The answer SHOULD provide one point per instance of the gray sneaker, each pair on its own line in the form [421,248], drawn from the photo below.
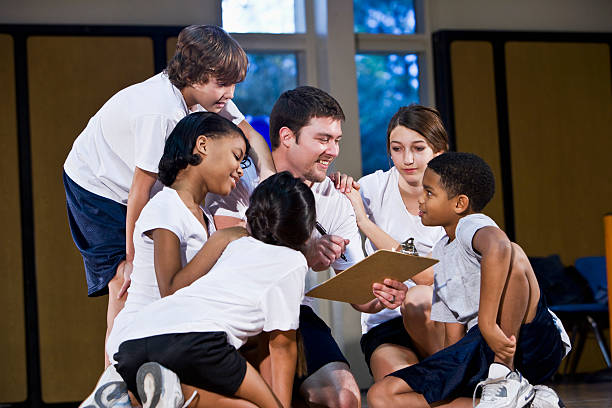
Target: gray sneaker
[110,392]
[546,397]
[511,391]
[158,387]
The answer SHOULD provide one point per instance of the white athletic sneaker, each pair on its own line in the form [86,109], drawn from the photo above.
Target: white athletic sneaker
[111,391]
[546,397]
[158,387]
[509,391]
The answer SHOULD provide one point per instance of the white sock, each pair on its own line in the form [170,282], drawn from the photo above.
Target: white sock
[497,370]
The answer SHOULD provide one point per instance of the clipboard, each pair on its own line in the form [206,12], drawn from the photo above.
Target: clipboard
[354,285]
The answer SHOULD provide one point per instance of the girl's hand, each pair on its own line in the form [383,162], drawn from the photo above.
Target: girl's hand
[127,280]
[355,199]
[232,233]
[390,293]
[343,182]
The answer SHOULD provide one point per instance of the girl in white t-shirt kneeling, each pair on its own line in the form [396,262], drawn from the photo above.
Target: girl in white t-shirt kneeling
[256,285]
[387,212]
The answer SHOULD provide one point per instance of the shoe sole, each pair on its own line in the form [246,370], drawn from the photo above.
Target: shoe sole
[148,380]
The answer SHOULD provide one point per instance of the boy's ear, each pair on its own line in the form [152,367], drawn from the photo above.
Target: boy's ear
[462,204]
[286,136]
[201,145]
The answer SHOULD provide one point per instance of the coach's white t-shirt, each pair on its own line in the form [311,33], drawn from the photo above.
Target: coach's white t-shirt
[384,205]
[334,212]
[165,210]
[239,297]
[129,130]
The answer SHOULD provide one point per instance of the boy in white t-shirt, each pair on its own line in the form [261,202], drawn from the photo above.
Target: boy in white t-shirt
[196,331]
[109,174]
[486,293]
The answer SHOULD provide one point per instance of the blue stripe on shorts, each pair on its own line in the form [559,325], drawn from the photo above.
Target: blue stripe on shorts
[97,225]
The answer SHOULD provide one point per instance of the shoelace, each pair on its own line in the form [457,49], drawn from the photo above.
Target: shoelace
[186,404]
[490,388]
[542,394]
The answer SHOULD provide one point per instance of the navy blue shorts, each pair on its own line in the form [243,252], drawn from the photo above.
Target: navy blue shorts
[201,359]
[390,332]
[97,225]
[320,348]
[455,371]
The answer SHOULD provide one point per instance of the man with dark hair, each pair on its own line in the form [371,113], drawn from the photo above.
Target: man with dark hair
[305,131]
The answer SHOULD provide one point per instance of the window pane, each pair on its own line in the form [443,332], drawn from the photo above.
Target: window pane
[268,76]
[384,16]
[384,84]
[258,16]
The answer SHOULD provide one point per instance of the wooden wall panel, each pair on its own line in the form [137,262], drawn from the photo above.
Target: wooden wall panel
[475,111]
[170,47]
[13,383]
[69,80]
[560,120]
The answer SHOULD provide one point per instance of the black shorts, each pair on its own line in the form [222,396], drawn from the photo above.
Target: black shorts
[320,348]
[390,332]
[454,371]
[203,360]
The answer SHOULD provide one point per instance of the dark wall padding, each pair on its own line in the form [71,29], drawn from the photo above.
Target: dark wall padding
[69,80]
[475,110]
[13,384]
[538,107]
[560,121]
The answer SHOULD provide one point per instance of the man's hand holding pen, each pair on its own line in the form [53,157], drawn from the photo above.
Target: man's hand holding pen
[322,252]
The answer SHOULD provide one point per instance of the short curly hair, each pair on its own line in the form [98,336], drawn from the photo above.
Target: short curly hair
[295,108]
[465,173]
[282,211]
[205,51]
[178,151]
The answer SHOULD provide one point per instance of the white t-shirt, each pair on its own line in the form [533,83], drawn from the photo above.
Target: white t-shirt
[334,212]
[384,205]
[165,210]
[237,297]
[129,130]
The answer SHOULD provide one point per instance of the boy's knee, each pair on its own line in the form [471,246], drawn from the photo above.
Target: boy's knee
[338,398]
[417,304]
[347,399]
[379,396]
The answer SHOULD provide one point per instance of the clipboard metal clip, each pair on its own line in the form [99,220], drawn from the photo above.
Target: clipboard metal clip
[408,247]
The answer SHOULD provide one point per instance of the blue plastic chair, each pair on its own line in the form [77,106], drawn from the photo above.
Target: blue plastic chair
[587,316]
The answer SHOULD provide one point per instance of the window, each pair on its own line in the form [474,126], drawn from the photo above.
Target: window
[259,16]
[384,84]
[268,76]
[384,17]
[389,62]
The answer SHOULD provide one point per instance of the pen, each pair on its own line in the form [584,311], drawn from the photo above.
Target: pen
[322,231]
